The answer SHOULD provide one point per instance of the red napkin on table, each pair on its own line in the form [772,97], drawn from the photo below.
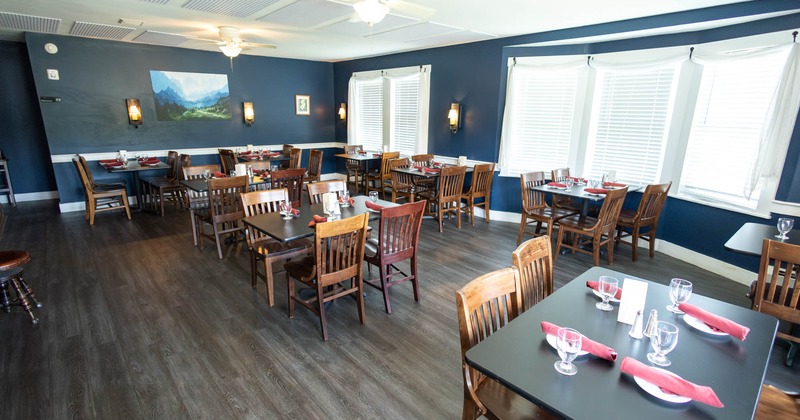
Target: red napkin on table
[716,321]
[614,184]
[556,184]
[107,161]
[148,161]
[295,212]
[272,154]
[361,152]
[596,190]
[377,154]
[350,201]
[373,206]
[114,164]
[431,170]
[317,219]
[219,175]
[597,349]
[670,382]
[595,284]
[246,152]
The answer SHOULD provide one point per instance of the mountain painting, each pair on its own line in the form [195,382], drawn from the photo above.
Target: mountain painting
[190,96]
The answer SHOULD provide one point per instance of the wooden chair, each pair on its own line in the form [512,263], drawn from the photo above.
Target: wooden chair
[382,179]
[534,261]
[559,175]
[264,248]
[535,208]
[402,183]
[101,198]
[167,188]
[224,212]
[296,156]
[335,269]
[424,160]
[485,305]
[398,235]
[777,404]
[314,166]
[645,217]
[355,168]
[598,231]
[292,180]
[196,201]
[286,151]
[480,189]
[777,289]
[316,189]
[107,183]
[448,197]
[228,160]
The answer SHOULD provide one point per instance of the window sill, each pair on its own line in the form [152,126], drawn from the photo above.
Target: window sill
[722,206]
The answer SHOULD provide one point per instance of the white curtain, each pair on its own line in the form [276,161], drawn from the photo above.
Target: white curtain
[352,99]
[423,108]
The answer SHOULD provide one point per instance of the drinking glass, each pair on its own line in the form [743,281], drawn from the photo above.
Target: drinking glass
[785,226]
[568,343]
[207,174]
[679,291]
[373,196]
[663,339]
[286,209]
[594,182]
[607,286]
[273,168]
[569,182]
[344,197]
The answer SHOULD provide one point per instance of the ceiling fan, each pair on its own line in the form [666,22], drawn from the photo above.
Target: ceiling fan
[373,11]
[231,44]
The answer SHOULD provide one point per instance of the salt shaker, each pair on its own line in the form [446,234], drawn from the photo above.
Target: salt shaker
[636,329]
[651,322]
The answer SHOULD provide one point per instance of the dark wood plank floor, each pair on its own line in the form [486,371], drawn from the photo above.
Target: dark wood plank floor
[139,323]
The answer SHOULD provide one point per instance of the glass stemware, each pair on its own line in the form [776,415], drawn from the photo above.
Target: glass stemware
[663,339]
[594,182]
[607,286]
[207,175]
[568,343]
[569,183]
[679,291]
[373,196]
[286,209]
[785,226]
[344,198]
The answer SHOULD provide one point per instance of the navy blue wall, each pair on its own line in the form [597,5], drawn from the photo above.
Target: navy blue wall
[97,75]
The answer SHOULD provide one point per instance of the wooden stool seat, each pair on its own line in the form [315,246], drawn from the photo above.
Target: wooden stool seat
[11,271]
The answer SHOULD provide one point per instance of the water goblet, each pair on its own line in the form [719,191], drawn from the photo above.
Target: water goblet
[607,286]
[663,339]
[373,196]
[785,225]
[594,182]
[344,198]
[207,175]
[679,291]
[286,209]
[569,183]
[568,343]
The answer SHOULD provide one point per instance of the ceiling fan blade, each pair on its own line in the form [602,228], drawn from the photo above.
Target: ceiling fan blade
[409,9]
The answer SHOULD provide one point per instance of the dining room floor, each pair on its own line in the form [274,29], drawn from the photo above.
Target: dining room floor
[137,322]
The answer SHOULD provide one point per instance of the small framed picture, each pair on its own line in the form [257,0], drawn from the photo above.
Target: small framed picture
[302,105]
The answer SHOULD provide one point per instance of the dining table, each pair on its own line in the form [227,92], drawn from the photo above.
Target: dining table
[255,157]
[134,167]
[578,191]
[201,185]
[519,357]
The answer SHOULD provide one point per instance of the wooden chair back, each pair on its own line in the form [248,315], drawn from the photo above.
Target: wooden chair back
[292,180]
[287,149]
[652,203]
[398,232]
[482,176]
[296,156]
[86,170]
[316,189]
[423,159]
[197,171]
[353,165]
[172,165]
[340,249]
[532,199]
[609,212]
[224,198]
[314,165]
[777,289]
[353,148]
[386,173]
[228,160]
[534,261]
[261,202]
[484,305]
[451,183]
[558,175]
[400,180]
[196,198]
[184,161]
[259,165]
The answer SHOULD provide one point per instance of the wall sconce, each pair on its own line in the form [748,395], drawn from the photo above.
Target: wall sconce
[249,114]
[454,117]
[343,112]
[134,112]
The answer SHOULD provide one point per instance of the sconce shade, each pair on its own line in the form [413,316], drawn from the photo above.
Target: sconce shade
[454,117]
[343,112]
[371,11]
[249,113]
[134,112]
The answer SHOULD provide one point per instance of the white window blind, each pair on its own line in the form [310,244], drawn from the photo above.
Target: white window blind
[732,105]
[629,125]
[369,121]
[404,115]
[538,130]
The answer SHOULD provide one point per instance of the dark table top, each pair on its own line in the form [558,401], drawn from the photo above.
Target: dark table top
[577,191]
[273,224]
[356,156]
[200,185]
[750,238]
[519,357]
[134,166]
[249,158]
[416,172]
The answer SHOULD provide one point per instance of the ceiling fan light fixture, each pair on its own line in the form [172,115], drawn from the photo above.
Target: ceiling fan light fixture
[371,11]
[230,50]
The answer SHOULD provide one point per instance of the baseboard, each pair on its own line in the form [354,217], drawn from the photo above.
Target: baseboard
[35,196]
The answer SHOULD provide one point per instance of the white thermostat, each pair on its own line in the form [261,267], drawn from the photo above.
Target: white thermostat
[52,74]
[51,48]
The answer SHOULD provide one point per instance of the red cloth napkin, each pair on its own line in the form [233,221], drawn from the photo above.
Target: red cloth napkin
[576,179]
[219,175]
[596,190]
[317,219]
[431,170]
[350,201]
[716,321]
[114,164]
[373,206]
[597,349]
[148,161]
[670,382]
[377,154]
[295,212]
[556,184]
[595,284]
[107,161]
[246,152]
[614,184]
[272,154]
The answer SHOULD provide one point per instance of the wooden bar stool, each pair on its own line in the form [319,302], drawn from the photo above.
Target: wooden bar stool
[6,187]
[11,263]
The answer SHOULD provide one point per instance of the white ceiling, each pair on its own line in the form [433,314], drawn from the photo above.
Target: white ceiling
[322,29]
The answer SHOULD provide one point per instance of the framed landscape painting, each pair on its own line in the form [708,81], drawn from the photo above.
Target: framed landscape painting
[183,96]
[302,104]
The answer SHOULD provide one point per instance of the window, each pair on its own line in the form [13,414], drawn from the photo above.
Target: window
[539,131]
[389,109]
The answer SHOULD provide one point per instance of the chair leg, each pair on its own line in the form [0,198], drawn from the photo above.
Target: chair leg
[596,251]
[290,293]
[558,242]
[652,239]
[253,269]
[217,239]
[322,322]
[440,212]
[360,301]
[635,243]
[124,200]
[385,288]
[269,282]
[522,224]
[414,279]
[611,252]
[193,220]
[23,300]
[92,210]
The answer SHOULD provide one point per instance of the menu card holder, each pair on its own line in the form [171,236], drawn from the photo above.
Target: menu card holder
[634,295]
[330,203]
